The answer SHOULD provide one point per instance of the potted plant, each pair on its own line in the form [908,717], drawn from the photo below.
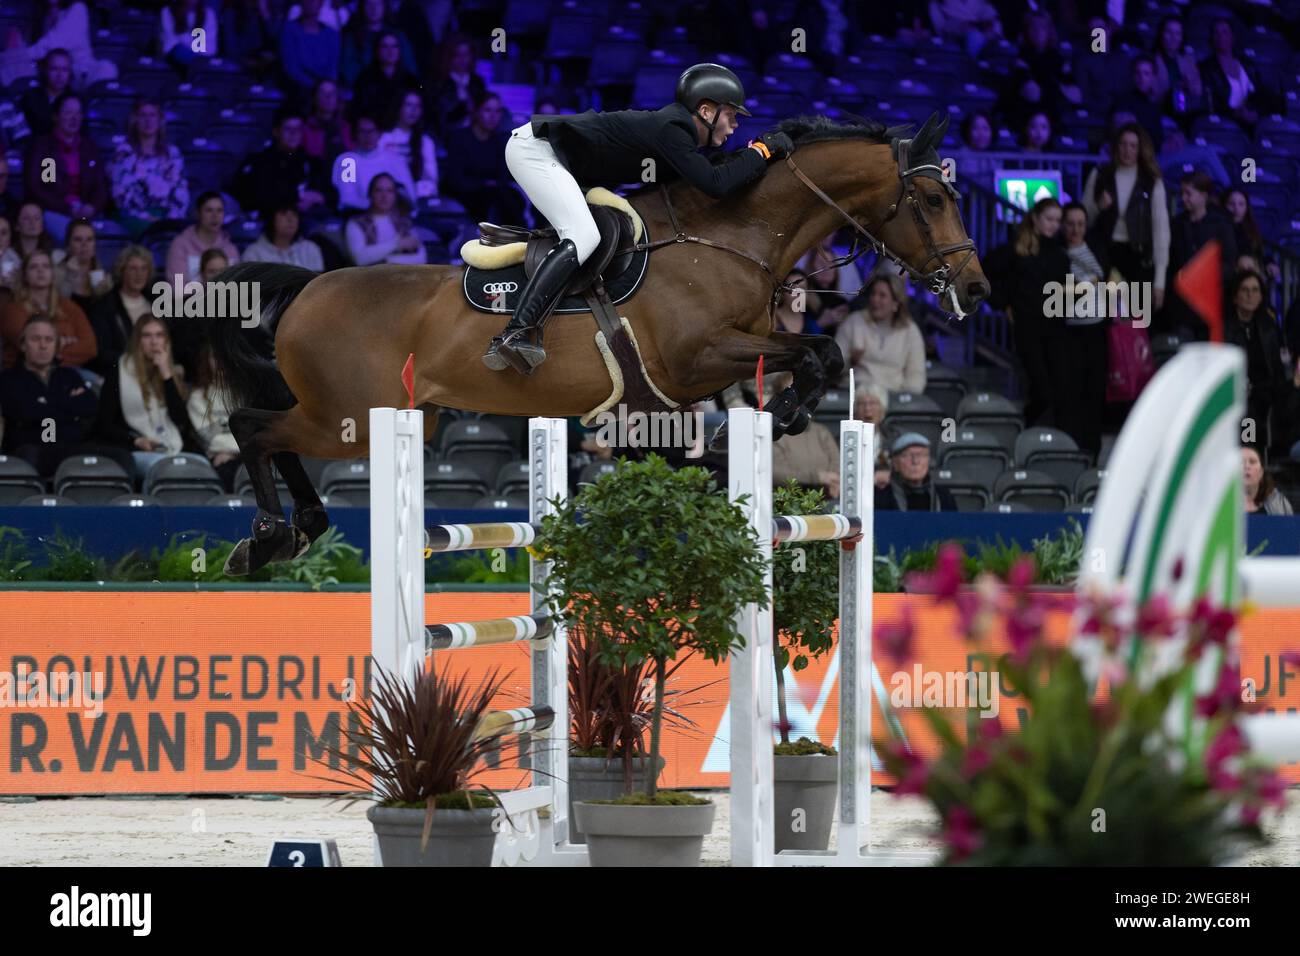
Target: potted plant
[805,604]
[414,747]
[648,563]
[610,712]
[1089,780]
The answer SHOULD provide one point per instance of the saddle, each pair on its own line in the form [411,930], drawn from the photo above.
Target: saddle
[611,259]
[503,258]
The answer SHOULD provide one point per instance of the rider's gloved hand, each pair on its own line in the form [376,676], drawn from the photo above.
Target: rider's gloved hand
[774,145]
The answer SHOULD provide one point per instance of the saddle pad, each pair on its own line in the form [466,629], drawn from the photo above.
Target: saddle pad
[482,286]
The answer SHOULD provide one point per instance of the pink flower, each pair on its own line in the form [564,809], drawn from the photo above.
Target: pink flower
[946,580]
[916,772]
[1269,788]
[960,833]
[1022,573]
[977,759]
[1100,611]
[894,638]
[1209,625]
[1228,742]
[1155,618]
[1225,696]
[1024,628]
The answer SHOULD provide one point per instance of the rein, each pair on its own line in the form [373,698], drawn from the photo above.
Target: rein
[939,280]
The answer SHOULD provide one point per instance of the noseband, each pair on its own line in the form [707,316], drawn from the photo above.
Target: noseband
[939,280]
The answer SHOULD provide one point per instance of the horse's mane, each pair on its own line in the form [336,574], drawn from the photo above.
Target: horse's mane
[816,129]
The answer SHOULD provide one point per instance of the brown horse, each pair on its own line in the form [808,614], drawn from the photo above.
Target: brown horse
[702,317]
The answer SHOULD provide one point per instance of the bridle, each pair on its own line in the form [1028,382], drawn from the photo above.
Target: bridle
[939,280]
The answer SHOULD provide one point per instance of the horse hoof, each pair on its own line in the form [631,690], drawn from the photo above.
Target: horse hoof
[798,423]
[301,542]
[251,554]
[312,521]
[237,563]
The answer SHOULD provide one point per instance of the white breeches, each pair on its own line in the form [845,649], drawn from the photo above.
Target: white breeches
[552,189]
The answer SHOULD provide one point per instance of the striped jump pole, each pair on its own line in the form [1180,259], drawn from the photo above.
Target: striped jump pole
[442,538]
[517,720]
[500,630]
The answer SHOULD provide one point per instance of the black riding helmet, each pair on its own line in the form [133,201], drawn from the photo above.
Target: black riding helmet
[710,81]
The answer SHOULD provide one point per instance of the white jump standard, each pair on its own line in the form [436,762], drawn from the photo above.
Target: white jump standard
[400,640]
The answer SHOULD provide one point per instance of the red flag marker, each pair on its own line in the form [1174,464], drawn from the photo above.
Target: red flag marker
[759,378]
[408,379]
[1200,283]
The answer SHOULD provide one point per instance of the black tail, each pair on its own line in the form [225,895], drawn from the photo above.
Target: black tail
[245,369]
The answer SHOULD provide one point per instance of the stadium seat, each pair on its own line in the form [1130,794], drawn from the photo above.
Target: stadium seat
[231,501]
[499,502]
[615,62]
[244,486]
[148,75]
[222,78]
[572,37]
[90,479]
[992,412]
[655,84]
[1164,345]
[185,469]
[1087,485]
[977,452]
[513,478]
[969,491]
[1052,451]
[945,386]
[137,501]
[348,477]
[905,407]
[337,501]
[47,501]
[1038,490]
[479,445]
[1008,507]
[18,480]
[526,18]
[593,471]
[833,408]
[453,485]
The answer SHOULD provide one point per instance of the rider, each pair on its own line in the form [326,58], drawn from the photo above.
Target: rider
[555,158]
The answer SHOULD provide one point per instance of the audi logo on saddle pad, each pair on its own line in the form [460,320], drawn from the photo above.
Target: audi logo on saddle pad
[496,288]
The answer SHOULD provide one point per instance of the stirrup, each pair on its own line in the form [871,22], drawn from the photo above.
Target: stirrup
[515,350]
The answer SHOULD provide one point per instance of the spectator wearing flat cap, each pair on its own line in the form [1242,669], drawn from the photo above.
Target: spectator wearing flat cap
[910,486]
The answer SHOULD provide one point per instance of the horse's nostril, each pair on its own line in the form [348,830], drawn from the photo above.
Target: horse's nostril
[977,290]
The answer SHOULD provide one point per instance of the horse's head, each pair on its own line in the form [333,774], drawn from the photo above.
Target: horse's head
[922,229]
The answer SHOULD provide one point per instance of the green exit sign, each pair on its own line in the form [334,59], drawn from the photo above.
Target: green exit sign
[1022,188]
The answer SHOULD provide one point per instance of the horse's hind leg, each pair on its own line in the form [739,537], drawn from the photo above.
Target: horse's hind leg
[309,514]
[257,432]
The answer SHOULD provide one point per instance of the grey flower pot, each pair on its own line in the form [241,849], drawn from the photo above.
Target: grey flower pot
[644,836]
[458,837]
[599,778]
[808,784]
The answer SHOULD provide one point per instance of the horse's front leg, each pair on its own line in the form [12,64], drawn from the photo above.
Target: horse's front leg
[731,355]
[831,359]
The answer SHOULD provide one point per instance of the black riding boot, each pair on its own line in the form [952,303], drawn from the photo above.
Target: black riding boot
[539,298]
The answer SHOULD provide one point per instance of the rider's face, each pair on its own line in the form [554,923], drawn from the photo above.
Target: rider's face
[726,124]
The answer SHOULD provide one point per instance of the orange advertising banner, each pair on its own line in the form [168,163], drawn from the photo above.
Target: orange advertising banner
[237,691]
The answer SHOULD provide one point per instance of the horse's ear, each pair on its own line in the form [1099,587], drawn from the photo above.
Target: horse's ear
[926,138]
[942,131]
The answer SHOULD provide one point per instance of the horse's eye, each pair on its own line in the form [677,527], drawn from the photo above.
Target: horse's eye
[935,200]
